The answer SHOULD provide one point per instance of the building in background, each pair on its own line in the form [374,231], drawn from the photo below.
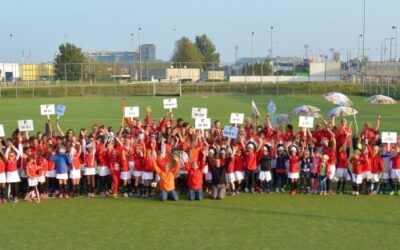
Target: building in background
[148,54]
[9,72]
[36,72]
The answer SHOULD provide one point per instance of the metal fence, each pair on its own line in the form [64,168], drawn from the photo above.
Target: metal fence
[178,78]
[213,88]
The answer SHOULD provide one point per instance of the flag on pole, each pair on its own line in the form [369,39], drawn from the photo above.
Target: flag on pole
[254,110]
[271,108]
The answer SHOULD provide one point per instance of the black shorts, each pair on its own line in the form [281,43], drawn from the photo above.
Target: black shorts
[314,175]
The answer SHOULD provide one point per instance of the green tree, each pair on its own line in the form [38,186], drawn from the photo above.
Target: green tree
[187,54]
[68,62]
[207,49]
[258,69]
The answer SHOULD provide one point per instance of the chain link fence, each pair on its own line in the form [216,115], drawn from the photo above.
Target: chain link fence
[173,78]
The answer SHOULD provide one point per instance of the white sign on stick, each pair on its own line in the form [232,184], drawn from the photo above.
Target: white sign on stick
[306,121]
[203,123]
[170,103]
[131,112]
[47,109]
[199,113]
[389,137]
[230,132]
[237,118]
[2,130]
[25,125]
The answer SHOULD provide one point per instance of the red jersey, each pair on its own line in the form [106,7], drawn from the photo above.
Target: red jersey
[239,163]
[11,165]
[138,163]
[358,164]
[195,176]
[76,161]
[318,135]
[294,163]
[2,167]
[102,158]
[341,136]
[148,164]
[41,166]
[251,161]
[231,165]
[377,164]
[89,160]
[342,159]
[332,155]
[30,169]
[50,164]
[395,161]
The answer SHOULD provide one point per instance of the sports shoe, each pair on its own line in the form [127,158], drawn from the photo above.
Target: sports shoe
[126,195]
[391,193]
[283,190]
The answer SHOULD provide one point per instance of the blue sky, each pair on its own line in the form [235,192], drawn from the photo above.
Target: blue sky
[40,26]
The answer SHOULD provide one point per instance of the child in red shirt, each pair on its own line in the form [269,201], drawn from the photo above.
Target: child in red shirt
[2,176]
[30,170]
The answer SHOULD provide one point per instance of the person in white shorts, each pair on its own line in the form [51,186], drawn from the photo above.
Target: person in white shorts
[265,169]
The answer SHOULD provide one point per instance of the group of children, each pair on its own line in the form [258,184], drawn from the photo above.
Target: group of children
[263,158]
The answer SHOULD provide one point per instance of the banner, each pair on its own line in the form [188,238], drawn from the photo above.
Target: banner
[237,118]
[2,131]
[47,109]
[25,125]
[170,103]
[131,112]
[60,110]
[230,132]
[199,113]
[389,137]
[203,123]
[306,122]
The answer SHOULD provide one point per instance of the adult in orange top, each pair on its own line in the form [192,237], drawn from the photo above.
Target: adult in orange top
[167,179]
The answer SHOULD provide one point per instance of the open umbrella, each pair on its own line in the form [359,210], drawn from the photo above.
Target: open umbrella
[379,100]
[338,99]
[342,111]
[283,118]
[305,110]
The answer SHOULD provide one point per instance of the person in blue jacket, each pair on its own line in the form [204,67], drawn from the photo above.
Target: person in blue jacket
[61,162]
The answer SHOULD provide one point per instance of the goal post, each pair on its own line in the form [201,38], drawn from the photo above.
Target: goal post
[167,89]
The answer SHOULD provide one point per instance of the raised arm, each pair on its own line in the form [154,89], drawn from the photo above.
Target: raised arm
[58,128]
[378,122]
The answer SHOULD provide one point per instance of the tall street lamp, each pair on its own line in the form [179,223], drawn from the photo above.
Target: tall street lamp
[140,55]
[252,50]
[133,54]
[12,56]
[272,55]
[358,46]
[395,42]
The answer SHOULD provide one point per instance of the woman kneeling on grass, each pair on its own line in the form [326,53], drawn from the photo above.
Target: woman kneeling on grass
[167,179]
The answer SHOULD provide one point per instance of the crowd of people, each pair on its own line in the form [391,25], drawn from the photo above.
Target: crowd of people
[167,156]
